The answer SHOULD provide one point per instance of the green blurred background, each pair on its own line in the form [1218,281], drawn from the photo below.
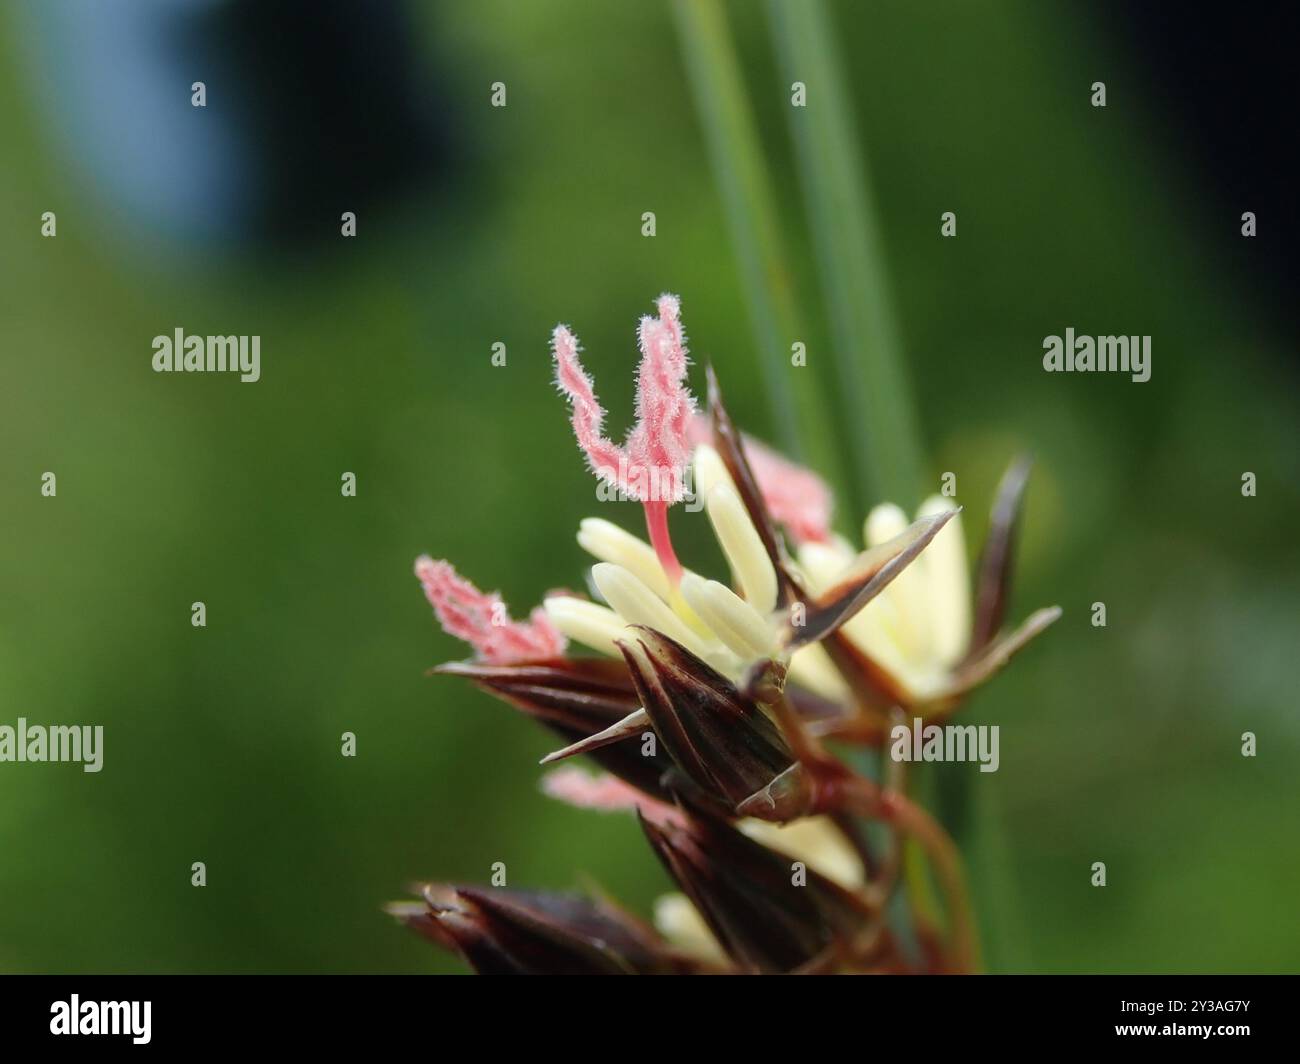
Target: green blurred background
[222,744]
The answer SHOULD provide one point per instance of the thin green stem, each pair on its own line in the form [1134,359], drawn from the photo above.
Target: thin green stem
[878,410]
[793,392]
[865,798]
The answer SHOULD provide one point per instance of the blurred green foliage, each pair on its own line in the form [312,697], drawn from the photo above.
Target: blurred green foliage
[222,744]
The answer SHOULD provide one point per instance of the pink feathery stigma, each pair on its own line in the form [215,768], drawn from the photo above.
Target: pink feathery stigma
[669,309]
[481,620]
[603,792]
[657,445]
[651,466]
[607,459]
[797,498]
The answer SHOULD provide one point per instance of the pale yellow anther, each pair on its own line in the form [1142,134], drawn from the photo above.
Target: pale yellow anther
[588,623]
[740,627]
[811,667]
[710,471]
[875,628]
[750,566]
[681,924]
[607,542]
[817,842]
[948,579]
[908,593]
[883,523]
[637,604]
[825,563]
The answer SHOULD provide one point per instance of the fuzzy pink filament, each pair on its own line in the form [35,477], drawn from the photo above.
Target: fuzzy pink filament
[481,620]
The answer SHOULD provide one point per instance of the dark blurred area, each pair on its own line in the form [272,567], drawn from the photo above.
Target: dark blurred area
[338,98]
[308,106]
[1223,83]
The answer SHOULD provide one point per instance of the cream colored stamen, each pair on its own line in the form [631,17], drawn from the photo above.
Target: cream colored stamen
[637,604]
[588,623]
[750,566]
[740,627]
[948,584]
[607,542]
